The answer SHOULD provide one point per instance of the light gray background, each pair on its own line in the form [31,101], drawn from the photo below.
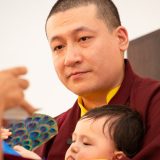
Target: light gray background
[23,42]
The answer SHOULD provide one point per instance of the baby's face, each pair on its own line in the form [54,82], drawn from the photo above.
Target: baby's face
[89,141]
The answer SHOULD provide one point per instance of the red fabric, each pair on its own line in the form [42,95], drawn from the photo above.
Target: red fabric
[12,157]
[139,93]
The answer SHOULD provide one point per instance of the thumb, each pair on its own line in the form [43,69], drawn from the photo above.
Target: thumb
[26,153]
[28,107]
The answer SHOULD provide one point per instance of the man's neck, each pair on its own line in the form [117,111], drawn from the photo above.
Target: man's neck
[90,102]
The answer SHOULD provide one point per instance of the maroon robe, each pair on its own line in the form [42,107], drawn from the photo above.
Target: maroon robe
[13,157]
[136,92]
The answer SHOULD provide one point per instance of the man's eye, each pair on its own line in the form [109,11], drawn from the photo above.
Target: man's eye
[58,48]
[84,38]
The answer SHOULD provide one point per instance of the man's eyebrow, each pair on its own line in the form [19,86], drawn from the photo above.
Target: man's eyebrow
[54,38]
[83,28]
[76,30]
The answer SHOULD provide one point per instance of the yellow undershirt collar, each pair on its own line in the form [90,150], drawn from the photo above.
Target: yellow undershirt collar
[109,96]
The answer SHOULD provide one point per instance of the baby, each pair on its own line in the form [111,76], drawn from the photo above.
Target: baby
[109,132]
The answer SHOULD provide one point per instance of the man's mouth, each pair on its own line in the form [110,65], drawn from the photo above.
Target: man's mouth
[77,74]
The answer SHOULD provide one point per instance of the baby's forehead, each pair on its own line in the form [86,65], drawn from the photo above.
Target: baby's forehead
[104,123]
[96,119]
[91,122]
[89,125]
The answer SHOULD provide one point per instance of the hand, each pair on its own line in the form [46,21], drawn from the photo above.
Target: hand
[5,133]
[26,153]
[11,89]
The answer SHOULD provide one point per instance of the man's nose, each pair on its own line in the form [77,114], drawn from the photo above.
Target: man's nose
[72,56]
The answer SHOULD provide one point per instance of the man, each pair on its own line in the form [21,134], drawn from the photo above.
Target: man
[88,45]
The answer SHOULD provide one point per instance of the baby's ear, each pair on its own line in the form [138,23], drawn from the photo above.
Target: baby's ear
[118,155]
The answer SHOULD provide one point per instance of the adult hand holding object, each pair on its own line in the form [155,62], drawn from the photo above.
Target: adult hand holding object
[11,89]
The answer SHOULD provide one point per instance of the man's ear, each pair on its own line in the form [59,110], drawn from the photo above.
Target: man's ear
[122,36]
[118,155]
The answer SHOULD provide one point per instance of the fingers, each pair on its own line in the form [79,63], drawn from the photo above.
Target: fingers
[27,107]
[26,153]
[12,89]
[5,133]
[17,71]
[23,83]
[19,148]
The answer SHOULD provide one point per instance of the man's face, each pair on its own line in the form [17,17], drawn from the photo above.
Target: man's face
[87,56]
[90,142]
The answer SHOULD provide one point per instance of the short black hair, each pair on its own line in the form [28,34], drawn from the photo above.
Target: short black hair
[126,127]
[106,10]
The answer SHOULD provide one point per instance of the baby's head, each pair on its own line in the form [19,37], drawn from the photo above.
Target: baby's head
[108,132]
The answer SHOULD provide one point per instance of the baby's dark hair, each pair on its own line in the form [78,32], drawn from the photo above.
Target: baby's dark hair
[126,127]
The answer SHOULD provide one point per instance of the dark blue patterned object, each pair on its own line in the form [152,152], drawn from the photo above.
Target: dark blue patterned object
[33,131]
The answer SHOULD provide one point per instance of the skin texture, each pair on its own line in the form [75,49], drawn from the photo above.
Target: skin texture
[84,51]
[12,88]
[26,153]
[89,142]
[5,133]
